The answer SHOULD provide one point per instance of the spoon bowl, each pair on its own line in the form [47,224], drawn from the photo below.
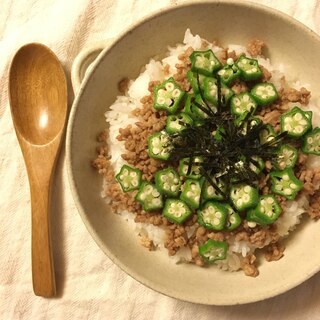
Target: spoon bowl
[38,101]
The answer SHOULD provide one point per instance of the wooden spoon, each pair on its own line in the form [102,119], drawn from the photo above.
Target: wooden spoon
[38,100]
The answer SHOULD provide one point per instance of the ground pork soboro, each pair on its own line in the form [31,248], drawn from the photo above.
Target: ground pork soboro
[255,46]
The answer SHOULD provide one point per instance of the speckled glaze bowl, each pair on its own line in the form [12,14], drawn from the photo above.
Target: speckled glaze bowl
[229,22]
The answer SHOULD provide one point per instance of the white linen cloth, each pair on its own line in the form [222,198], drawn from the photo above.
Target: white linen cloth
[89,285]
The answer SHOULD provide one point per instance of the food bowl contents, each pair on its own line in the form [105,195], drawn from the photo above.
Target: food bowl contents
[212,154]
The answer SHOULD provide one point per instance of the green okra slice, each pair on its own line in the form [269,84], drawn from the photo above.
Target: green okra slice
[210,193]
[264,93]
[256,164]
[168,96]
[159,146]
[129,178]
[176,211]
[267,211]
[311,142]
[204,62]
[249,68]
[193,80]
[285,183]
[287,157]
[149,197]
[213,250]
[195,172]
[213,215]
[233,220]
[228,74]
[168,182]
[244,196]
[242,103]
[267,134]
[296,122]
[175,123]
[191,193]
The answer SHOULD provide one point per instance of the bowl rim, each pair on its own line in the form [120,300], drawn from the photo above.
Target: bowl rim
[130,272]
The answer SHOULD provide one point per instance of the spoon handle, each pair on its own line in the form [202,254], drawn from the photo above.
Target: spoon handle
[43,277]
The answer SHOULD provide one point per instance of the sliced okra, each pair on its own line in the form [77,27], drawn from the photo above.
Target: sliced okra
[210,88]
[159,146]
[264,93]
[311,142]
[228,74]
[213,250]
[266,212]
[168,182]
[233,220]
[168,96]
[213,215]
[244,196]
[193,80]
[242,103]
[256,164]
[176,211]
[285,183]
[191,193]
[267,134]
[149,197]
[204,62]
[129,178]
[195,171]
[286,157]
[175,123]
[296,122]
[210,193]
[249,68]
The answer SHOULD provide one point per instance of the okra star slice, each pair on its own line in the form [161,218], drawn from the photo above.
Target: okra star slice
[249,68]
[175,123]
[242,103]
[286,157]
[159,146]
[176,211]
[191,193]
[311,142]
[149,197]
[204,62]
[192,78]
[167,96]
[228,74]
[195,167]
[233,220]
[129,178]
[267,134]
[213,215]
[210,193]
[210,91]
[285,183]
[267,211]
[264,93]
[295,122]
[213,250]
[168,182]
[244,196]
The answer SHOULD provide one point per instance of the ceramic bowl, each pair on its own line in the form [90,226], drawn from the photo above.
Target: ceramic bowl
[229,22]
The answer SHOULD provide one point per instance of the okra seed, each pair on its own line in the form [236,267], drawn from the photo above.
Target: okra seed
[176,93]
[297,116]
[270,200]
[263,209]
[263,202]
[169,86]
[251,224]
[142,196]
[156,150]
[247,189]
[189,194]
[210,209]
[216,221]
[197,198]
[230,61]
[232,219]
[285,177]
[299,129]
[163,178]
[218,215]
[310,140]
[254,69]
[269,213]
[238,110]
[135,183]
[239,202]
[244,61]
[237,102]
[287,120]
[125,184]
[176,181]
[210,190]
[173,188]
[166,186]
[156,201]
[246,198]
[287,191]
[278,187]
[222,72]
[293,186]
[121,177]
[133,174]
[287,127]
[264,96]
[245,98]
[161,100]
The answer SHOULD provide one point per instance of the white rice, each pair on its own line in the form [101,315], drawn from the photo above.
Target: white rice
[119,116]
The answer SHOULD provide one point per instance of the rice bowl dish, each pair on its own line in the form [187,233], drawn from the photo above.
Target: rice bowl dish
[182,241]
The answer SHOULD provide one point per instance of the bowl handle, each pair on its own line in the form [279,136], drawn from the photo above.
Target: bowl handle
[84,62]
